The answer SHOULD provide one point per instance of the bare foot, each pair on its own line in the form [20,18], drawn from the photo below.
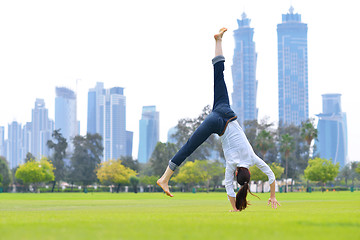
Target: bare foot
[164,185]
[219,35]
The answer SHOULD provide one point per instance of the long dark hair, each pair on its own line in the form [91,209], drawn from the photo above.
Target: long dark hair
[243,178]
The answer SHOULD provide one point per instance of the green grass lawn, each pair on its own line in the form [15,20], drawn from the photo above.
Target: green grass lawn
[329,215]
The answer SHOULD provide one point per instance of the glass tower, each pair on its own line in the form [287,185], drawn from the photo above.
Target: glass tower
[41,131]
[148,133]
[292,69]
[244,72]
[14,145]
[2,142]
[107,117]
[65,114]
[332,130]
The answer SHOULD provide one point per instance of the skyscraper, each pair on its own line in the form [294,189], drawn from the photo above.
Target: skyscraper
[292,69]
[107,117]
[148,133]
[332,130]
[65,114]
[26,141]
[244,72]
[2,142]
[41,129]
[95,97]
[14,145]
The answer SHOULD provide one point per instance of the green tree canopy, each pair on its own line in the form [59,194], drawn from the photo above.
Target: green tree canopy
[160,157]
[321,170]
[5,172]
[264,141]
[131,163]
[191,173]
[85,159]
[134,181]
[36,172]
[29,157]
[277,169]
[59,145]
[113,172]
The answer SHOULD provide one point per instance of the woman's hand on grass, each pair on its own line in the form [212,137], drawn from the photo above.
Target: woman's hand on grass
[274,203]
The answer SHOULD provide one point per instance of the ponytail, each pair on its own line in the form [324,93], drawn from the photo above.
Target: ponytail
[241,202]
[243,178]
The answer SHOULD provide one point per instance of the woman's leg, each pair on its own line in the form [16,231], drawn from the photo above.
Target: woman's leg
[203,132]
[220,91]
[209,125]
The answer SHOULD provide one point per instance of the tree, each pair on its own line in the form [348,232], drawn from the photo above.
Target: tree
[59,155]
[346,173]
[113,172]
[264,141]
[86,158]
[36,172]
[286,147]
[160,157]
[1,179]
[258,175]
[29,157]
[131,163]
[298,158]
[277,169]
[149,181]
[321,170]
[216,172]
[308,133]
[134,181]
[5,172]
[191,174]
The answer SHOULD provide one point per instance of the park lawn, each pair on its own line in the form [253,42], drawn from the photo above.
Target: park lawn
[329,215]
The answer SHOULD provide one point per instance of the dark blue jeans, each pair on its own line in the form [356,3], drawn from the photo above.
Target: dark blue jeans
[215,122]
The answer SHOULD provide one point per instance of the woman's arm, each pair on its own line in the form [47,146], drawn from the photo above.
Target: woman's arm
[232,202]
[272,199]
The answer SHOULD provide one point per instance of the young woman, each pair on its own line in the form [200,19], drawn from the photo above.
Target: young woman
[239,154]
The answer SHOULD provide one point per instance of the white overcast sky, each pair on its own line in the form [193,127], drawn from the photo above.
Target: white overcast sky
[160,52]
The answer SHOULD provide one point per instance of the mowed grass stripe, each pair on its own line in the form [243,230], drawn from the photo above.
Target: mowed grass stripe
[330,215]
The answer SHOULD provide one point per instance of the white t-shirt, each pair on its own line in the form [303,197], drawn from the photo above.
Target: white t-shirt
[239,153]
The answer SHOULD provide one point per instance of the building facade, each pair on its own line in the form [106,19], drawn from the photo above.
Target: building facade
[41,130]
[107,117]
[244,72]
[14,145]
[2,142]
[148,133]
[65,115]
[292,69]
[332,142]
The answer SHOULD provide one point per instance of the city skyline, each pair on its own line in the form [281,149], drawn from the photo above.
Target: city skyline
[48,50]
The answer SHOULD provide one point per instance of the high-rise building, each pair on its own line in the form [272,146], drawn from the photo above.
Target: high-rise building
[65,114]
[26,142]
[95,97]
[42,129]
[292,69]
[244,72]
[129,143]
[148,133]
[14,145]
[107,117]
[2,142]
[332,140]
